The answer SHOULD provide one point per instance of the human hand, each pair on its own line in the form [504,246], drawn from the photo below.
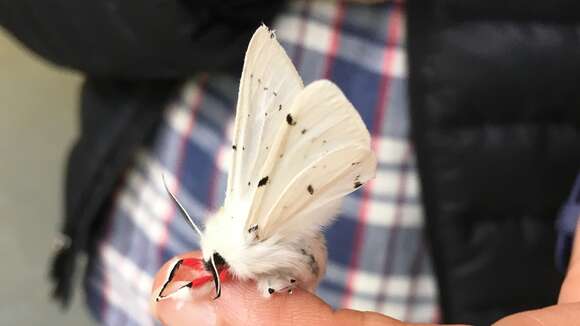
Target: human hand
[241,304]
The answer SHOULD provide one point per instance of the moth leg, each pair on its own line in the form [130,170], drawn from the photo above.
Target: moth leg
[276,284]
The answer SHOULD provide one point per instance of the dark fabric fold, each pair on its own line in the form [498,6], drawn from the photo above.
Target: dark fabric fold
[117,118]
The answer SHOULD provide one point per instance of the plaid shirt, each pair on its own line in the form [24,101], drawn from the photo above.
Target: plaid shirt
[377,255]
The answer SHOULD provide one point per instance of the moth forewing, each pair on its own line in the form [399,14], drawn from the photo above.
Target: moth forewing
[268,86]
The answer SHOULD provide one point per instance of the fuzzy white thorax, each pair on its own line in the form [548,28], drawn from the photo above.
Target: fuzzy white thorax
[247,257]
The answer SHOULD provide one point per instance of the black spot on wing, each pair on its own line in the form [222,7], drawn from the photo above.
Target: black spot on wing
[303,131]
[357,184]
[253,228]
[263,181]
[280,107]
[290,120]
[275,93]
[234,147]
[310,189]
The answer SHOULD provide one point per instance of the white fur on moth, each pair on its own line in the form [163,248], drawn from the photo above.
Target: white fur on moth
[297,151]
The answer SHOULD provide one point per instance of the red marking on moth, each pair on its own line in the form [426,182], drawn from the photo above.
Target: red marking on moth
[191,270]
[224,276]
[197,267]
[192,262]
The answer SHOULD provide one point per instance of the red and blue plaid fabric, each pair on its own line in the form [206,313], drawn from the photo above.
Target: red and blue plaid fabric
[377,252]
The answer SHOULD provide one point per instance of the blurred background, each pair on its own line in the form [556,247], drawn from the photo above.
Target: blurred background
[39,112]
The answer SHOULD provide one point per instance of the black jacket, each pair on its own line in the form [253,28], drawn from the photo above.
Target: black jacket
[494,99]
[495,107]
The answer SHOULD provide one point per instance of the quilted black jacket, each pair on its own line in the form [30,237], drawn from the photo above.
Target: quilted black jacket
[495,106]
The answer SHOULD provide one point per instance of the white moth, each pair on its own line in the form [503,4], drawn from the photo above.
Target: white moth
[297,151]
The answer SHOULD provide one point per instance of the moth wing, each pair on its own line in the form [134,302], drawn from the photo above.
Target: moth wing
[322,153]
[268,86]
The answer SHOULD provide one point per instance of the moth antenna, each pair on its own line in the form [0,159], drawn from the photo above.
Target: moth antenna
[188,218]
[216,278]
